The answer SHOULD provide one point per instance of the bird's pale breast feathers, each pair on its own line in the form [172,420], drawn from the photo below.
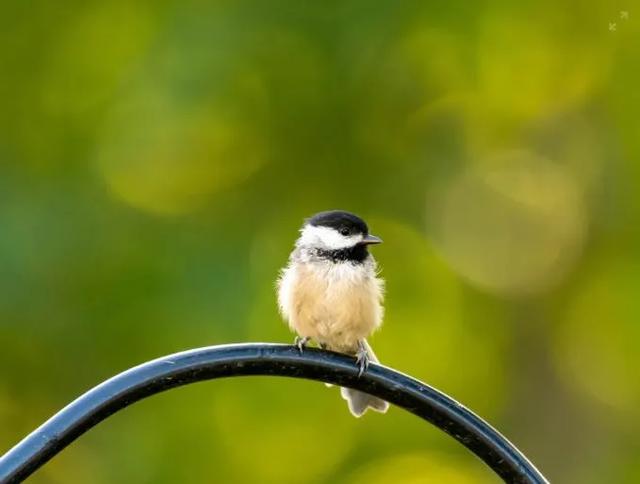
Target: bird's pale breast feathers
[337,304]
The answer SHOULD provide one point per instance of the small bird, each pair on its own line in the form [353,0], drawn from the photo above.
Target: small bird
[330,293]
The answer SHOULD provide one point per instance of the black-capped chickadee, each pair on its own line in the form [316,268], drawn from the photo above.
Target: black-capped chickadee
[330,293]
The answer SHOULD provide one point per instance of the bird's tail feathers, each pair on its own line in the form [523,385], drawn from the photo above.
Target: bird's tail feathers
[359,401]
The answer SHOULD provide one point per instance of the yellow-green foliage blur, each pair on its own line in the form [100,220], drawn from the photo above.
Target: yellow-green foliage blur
[157,159]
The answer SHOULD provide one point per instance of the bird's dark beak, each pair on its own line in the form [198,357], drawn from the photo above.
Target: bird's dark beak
[371,239]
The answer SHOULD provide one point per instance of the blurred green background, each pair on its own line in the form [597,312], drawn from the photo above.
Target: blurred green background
[157,159]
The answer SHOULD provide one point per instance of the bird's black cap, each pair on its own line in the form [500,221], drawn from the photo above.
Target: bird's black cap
[339,219]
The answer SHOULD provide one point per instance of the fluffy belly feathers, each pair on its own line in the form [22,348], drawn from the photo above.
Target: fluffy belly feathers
[334,304]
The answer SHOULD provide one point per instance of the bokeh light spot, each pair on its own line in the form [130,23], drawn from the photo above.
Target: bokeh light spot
[168,159]
[523,73]
[512,225]
[274,430]
[596,347]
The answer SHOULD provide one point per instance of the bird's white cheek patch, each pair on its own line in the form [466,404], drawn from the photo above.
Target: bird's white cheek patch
[330,238]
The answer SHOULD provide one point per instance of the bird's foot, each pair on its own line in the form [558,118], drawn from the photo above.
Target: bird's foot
[324,346]
[362,358]
[301,342]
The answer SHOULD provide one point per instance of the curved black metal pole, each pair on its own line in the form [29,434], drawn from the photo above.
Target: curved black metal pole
[265,359]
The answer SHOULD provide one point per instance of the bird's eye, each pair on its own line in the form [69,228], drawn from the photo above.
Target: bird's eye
[344,231]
